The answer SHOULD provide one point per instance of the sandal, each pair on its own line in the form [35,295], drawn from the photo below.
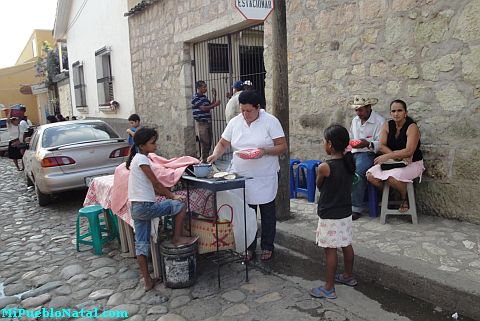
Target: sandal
[250,256]
[266,255]
[323,293]
[350,281]
[404,206]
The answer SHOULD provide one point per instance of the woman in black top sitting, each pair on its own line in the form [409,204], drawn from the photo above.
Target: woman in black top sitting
[399,141]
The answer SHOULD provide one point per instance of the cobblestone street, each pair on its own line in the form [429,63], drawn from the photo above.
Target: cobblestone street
[39,267]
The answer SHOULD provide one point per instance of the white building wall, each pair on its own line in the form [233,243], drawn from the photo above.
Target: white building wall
[95,25]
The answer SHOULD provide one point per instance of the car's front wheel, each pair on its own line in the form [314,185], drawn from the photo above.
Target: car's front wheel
[43,199]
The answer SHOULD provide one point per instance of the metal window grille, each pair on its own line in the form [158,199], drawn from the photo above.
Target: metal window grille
[223,60]
[79,85]
[104,76]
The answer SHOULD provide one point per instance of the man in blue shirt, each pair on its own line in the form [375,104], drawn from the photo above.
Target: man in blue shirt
[201,108]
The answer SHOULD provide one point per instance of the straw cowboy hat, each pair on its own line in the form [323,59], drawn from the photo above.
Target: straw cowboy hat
[360,101]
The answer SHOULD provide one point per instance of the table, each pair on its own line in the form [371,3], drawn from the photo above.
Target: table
[100,191]
[216,185]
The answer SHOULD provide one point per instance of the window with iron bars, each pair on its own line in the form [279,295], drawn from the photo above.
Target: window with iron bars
[218,58]
[79,85]
[104,76]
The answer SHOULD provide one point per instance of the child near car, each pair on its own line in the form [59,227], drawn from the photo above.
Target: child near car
[142,187]
[134,121]
[334,180]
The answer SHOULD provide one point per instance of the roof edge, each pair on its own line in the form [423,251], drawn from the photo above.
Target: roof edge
[61,19]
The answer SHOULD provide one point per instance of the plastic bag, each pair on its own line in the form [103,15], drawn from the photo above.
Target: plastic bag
[234,198]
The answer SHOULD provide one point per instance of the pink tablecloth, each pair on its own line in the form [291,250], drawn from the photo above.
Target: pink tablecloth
[100,191]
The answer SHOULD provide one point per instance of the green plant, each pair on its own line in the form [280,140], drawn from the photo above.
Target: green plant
[48,65]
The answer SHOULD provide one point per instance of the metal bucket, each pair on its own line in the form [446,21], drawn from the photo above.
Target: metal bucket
[179,265]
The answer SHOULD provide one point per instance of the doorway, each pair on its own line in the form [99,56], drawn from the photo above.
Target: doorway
[223,60]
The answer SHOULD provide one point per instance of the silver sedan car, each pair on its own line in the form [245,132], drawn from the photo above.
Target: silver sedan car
[68,155]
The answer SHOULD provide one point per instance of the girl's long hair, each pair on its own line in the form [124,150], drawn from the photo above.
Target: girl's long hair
[141,137]
[339,137]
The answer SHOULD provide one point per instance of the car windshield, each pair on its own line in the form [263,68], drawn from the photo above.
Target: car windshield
[76,133]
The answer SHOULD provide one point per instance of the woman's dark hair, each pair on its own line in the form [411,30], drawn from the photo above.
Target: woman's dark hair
[142,136]
[399,101]
[404,105]
[339,137]
[250,97]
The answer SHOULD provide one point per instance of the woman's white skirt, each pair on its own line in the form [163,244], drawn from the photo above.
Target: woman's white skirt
[334,233]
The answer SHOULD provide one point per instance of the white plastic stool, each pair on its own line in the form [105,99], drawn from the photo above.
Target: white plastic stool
[411,203]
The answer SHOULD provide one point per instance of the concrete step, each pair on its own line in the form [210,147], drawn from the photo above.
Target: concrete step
[418,279]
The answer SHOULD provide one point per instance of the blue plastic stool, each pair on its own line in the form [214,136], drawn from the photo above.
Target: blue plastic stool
[293,192]
[372,200]
[96,230]
[310,167]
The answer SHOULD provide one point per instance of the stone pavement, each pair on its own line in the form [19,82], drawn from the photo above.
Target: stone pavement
[437,260]
[39,267]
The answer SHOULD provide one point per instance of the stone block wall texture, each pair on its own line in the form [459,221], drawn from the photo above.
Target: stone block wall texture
[161,69]
[426,52]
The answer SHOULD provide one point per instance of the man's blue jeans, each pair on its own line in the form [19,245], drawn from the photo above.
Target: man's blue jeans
[363,161]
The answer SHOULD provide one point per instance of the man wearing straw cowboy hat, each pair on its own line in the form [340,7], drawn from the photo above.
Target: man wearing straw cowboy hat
[366,128]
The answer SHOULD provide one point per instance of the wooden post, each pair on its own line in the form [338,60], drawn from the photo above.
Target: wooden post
[280,106]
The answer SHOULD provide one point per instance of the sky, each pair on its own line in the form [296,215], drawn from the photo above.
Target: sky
[18,19]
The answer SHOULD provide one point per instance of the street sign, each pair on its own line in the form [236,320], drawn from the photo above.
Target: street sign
[254,9]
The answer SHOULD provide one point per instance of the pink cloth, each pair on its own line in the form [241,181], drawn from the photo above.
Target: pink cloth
[167,171]
[404,174]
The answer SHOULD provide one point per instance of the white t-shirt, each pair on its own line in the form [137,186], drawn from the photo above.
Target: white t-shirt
[370,130]
[23,126]
[233,107]
[260,134]
[140,188]
[14,132]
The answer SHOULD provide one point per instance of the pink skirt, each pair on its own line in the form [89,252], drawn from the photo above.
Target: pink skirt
[404,174]
[334,233]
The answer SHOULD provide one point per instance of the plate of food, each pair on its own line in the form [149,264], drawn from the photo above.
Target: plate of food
[248,153]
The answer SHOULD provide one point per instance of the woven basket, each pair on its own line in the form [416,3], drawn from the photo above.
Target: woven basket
[205,230]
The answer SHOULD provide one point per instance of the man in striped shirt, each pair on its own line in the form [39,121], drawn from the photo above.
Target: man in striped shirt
[201,107]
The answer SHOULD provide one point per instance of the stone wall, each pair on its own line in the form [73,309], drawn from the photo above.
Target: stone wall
[160,41]
[64,99]
[426,52]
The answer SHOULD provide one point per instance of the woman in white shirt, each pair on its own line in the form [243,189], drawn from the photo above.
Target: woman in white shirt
[256,129]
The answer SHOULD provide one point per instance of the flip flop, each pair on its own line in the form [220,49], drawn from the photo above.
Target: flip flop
[266,255]
[250,256]
[404,207]
[350,281]
[195,238]
[323,293]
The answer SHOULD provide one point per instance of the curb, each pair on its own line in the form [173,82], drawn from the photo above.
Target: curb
[405,275]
